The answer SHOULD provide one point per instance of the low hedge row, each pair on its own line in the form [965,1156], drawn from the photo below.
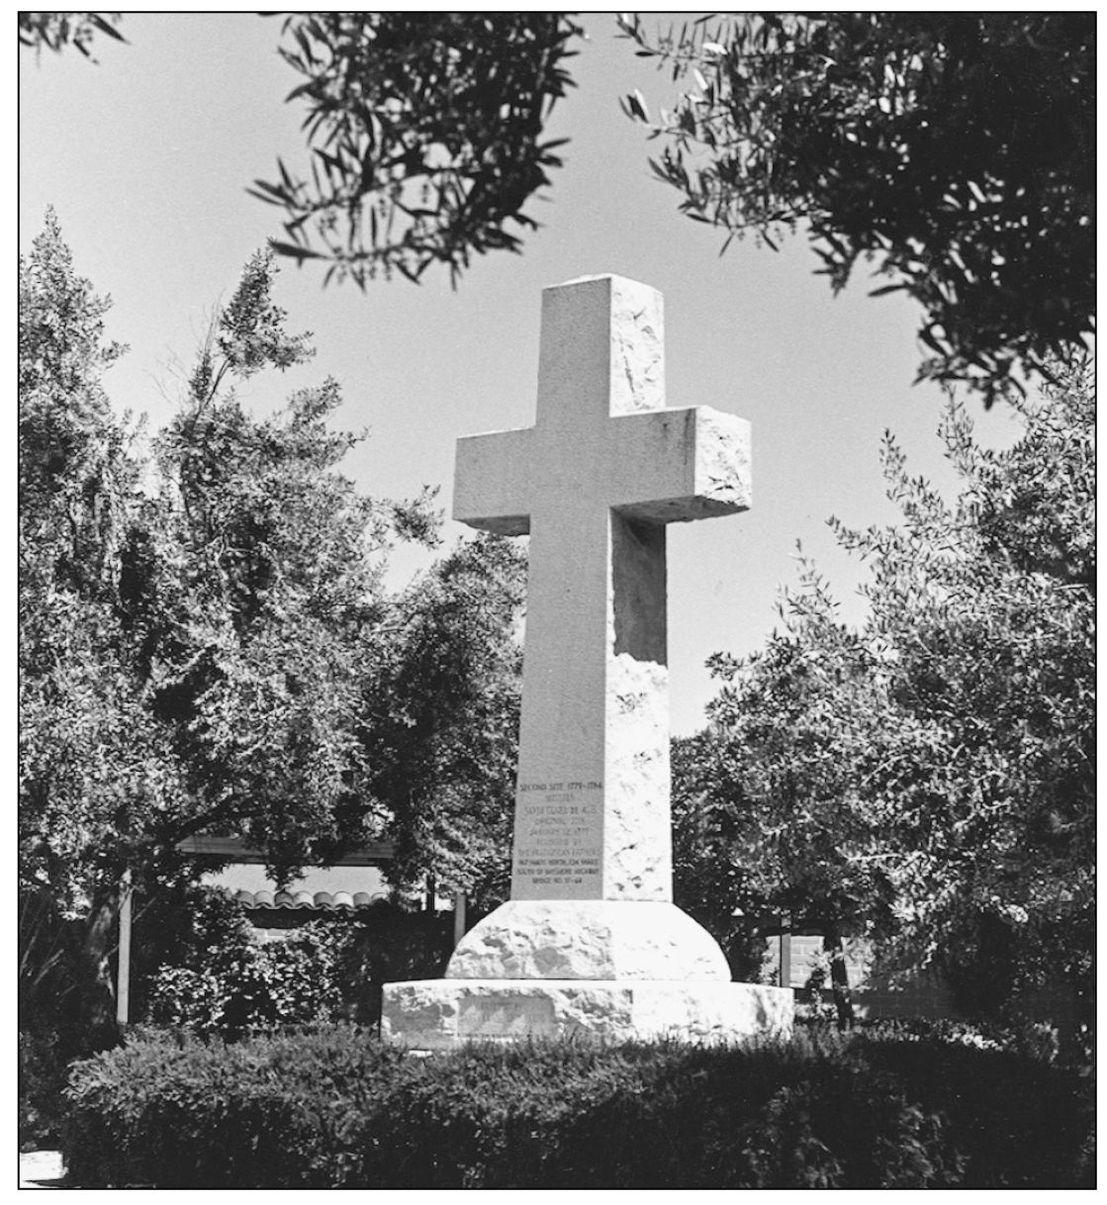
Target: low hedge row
[337,1109]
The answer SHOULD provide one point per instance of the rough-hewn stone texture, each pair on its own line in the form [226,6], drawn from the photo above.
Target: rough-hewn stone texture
[588,939]
[637,836]
[437,1014]
[594,482]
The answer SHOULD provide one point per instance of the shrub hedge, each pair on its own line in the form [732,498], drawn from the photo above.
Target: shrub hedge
[335,1108]
[211,974]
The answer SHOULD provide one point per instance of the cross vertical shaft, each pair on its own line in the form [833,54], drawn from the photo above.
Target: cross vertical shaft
[594,482]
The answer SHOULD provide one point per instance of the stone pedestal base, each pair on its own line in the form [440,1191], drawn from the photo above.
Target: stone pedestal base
[588,939]
[439,1014]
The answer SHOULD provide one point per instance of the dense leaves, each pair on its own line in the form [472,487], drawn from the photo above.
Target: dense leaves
[336,1109]
[201,966]
[239,984]
[954,150]
[206,643]
[262,630]
[708,882]
[191,634]
[96,768]
[425,136]
[929,778]
[441,720]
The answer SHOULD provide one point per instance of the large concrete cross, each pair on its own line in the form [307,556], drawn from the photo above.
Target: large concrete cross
[594,482]
[590,943]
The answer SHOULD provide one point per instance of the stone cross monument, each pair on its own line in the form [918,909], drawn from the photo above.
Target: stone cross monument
[590,940]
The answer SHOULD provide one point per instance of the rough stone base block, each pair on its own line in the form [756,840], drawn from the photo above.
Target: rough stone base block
[588,939]
[438,1014]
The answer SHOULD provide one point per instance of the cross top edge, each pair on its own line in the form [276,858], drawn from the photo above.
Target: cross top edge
[614,278]
[601,352]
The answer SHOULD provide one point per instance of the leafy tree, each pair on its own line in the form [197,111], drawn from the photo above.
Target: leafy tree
[95,766]
[424,131]
[441,719]
[206,643]
[772,782]
[708,882]
[956,150]
[193,634]
[58,30]
[261,630]
[928,780]
[425,135]
[74,474]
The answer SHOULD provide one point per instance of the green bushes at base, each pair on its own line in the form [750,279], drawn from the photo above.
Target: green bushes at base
[211,974]
[45,1055]
[42,1077]
[336,1108]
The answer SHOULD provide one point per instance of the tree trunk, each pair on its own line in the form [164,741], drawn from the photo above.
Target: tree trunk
[98,993]
[839,980]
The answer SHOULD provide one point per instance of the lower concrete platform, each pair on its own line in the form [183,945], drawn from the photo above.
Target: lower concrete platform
[439,1014]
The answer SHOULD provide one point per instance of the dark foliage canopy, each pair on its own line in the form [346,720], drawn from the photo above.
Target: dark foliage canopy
[425,135]
[956,151]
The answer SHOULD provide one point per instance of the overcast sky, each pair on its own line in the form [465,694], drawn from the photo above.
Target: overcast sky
[146,158]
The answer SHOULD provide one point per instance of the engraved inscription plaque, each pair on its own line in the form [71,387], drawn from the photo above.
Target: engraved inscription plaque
[558,840]
[506,1016]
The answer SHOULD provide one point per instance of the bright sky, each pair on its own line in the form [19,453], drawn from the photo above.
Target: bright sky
[146,158]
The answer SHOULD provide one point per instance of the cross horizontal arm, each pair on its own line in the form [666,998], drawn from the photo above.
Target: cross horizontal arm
[492,480]
[669,466]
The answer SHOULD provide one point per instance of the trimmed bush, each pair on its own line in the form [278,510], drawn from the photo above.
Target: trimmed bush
[215,976]
[337,1109]
[175,1108]
[45,1056]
